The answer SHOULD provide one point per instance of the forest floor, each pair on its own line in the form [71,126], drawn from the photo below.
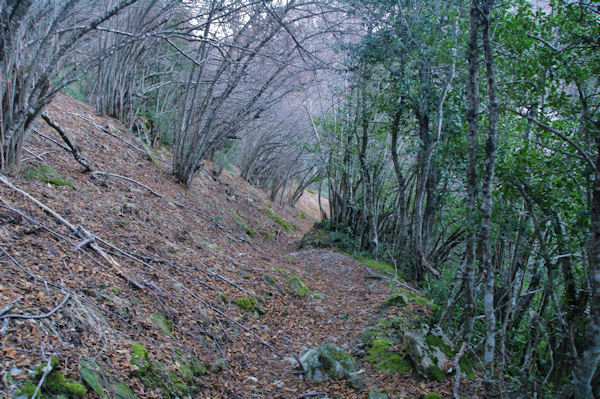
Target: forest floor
[181,259]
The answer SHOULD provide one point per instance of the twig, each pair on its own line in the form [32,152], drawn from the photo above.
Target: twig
[47,369]
[41,316]
[11,305]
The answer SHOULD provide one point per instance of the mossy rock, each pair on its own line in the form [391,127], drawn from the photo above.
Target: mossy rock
[385,360]
[396,300]
[327,362]
[298,287]
[288,227]
[47,174]
[173,382]
[428,353]
[163,324]
[102,382]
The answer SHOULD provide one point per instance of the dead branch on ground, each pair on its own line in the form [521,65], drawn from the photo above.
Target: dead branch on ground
[72,148]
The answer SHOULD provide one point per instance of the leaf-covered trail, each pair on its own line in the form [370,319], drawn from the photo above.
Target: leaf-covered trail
[193,255]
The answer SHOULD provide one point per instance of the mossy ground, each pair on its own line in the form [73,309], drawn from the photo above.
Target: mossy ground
[381,355]
[54,384]
[243,225]
[173,381]
[249,305]
[299,289]
[48,175]
[288,227]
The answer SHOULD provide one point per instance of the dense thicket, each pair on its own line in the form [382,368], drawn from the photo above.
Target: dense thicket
[460,139]
[466,149]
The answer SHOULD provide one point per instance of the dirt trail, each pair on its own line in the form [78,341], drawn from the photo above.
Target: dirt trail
[193,254]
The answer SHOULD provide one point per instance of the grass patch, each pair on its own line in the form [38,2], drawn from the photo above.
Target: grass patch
[47,174]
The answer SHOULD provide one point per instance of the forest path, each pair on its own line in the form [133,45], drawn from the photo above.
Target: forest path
[347,298]
[204,248]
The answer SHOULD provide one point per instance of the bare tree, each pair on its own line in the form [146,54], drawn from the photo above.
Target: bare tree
[39,57]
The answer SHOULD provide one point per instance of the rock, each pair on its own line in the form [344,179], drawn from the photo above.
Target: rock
[377,395]
[426,347]
[355,381]
[396,300]
[327,362]
[250,379]
[279,383]
[291,360]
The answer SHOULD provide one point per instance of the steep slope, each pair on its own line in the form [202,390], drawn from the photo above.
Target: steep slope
[190,279]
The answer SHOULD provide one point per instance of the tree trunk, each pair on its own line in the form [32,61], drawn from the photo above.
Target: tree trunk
[587,364]
[486,201]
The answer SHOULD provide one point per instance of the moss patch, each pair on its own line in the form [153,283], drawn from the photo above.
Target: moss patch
[382,267]
[298,287]
[176,381]
[432,396]
[243,225]
[267,235]
[385,360]
[436,373]
[288,227]
[102,382]
[434,340]
[48,175]
[55,384]
[396,300]
[249,305]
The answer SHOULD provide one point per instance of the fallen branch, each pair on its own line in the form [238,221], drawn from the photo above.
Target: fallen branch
[72,148]
[9,307]
[40,316]
[129,179]
[79,231]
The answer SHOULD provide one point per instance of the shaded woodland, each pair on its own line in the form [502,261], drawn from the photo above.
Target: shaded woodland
[457,140]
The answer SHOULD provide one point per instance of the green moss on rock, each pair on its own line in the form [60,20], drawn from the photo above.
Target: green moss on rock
[434,340]
[396,300]
[327,362]
[27,391]
[385,360]
[298,287]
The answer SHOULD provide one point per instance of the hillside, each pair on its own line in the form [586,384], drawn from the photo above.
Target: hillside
[209,281]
